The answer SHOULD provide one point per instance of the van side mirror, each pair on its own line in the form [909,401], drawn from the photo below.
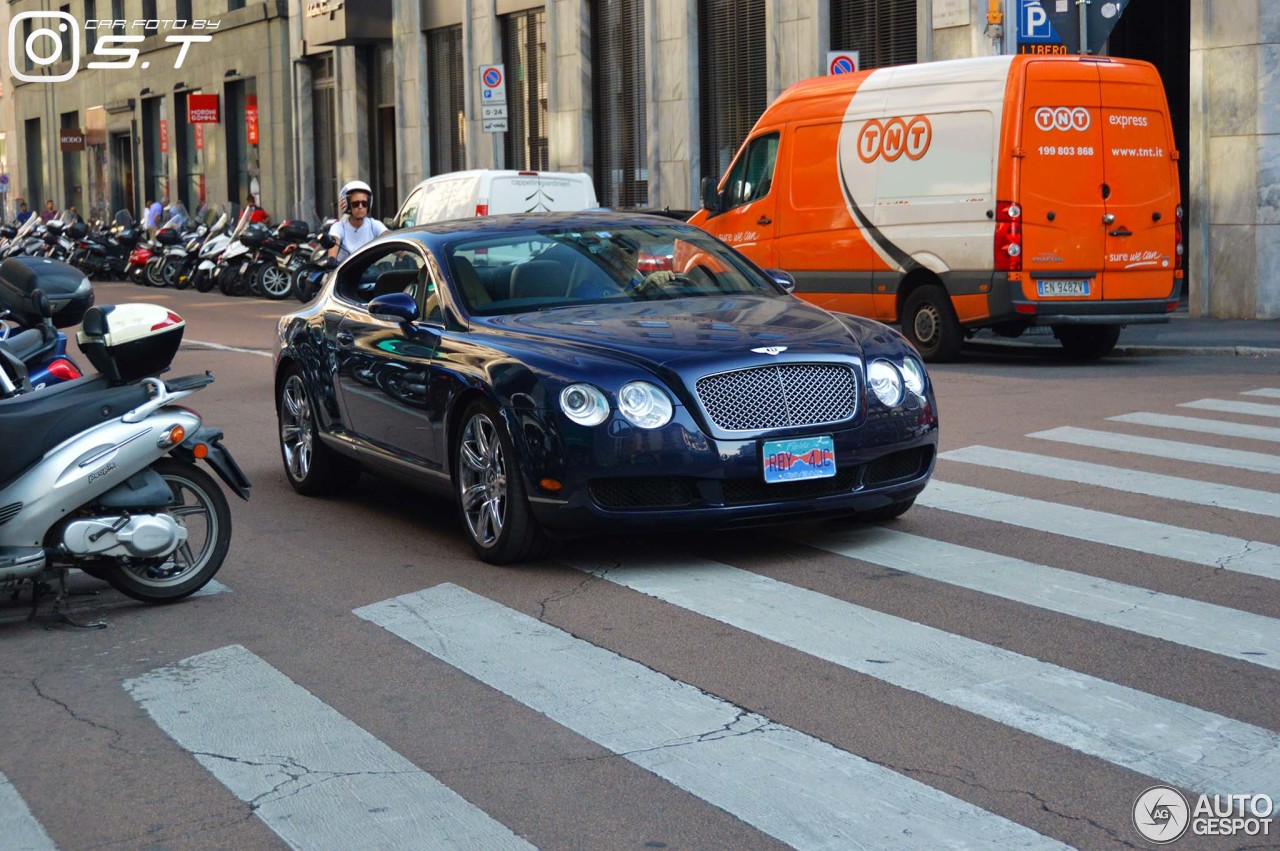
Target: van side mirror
[782,279]
[710,195]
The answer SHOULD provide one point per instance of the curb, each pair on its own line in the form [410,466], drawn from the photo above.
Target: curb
[1217,351]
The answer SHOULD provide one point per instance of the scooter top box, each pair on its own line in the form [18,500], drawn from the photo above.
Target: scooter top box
[69,291]
[127,342]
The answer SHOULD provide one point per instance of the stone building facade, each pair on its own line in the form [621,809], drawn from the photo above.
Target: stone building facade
[648,96]
[113,138]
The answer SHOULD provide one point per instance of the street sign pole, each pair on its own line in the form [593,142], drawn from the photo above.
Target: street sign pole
[1083,7]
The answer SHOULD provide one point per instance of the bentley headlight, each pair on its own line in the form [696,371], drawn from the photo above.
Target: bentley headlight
[913,375]
[644,405]
[584,404]
[886,382]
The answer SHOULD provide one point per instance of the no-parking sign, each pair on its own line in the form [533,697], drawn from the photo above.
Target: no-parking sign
[842,61]
[493,84]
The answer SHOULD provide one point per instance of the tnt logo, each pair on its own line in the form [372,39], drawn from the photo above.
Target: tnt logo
[893,138]
[1063,118]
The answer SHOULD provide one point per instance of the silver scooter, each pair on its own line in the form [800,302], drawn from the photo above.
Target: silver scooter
[101,473]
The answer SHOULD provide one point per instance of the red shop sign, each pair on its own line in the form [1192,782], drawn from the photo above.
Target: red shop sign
[251,118]
[164,136]
[203,109]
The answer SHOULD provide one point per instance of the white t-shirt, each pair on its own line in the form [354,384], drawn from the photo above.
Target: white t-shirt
[353,239]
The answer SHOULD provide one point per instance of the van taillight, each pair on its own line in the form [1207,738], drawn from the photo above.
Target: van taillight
[482,209]
[1008,237]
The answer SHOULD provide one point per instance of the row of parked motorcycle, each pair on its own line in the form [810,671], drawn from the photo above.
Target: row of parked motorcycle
[249,258]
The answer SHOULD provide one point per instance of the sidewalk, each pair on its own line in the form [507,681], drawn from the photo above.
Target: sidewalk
[1180,336]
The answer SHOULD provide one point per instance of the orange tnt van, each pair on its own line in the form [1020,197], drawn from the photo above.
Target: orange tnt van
[1002,192]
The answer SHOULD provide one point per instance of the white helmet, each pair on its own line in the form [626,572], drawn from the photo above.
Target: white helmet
[357,186]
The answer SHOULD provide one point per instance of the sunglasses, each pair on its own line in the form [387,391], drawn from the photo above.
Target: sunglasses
[358,203]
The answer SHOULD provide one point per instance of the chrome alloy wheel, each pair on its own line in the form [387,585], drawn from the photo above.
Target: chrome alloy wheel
[296,432]
[482,480]
[275,281]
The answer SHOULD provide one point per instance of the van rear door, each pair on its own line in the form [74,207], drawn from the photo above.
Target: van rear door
[1141,178]
[1061,182]
[535,192]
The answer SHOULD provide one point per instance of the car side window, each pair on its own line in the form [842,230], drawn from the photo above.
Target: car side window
[409,212]
[395,268]
[752,175]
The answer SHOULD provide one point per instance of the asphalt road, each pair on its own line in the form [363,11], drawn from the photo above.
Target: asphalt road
[1011,663]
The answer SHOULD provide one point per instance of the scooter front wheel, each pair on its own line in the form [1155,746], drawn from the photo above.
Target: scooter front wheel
[199,506]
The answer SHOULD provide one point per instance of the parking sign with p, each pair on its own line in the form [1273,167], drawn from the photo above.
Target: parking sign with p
[493,84]
[1034,26]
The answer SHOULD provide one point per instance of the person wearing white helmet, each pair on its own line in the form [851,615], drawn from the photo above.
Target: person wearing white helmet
[357,228]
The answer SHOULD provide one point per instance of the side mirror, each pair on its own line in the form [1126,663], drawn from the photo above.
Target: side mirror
[327,241]
[394,307]
[391,222]
[782,279]
[710,195]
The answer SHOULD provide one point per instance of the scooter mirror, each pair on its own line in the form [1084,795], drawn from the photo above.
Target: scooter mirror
[327,241]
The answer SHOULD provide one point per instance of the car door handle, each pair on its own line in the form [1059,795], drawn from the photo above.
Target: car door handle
[345,339]
[764,220]
[1121,231]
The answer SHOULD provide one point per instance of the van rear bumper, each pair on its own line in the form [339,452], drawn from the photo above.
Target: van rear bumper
[1006,308]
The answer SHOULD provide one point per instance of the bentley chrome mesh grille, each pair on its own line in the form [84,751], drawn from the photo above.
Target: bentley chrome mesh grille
[781,396]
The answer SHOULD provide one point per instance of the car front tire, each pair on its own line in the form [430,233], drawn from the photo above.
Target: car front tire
[311,467]
[492,502]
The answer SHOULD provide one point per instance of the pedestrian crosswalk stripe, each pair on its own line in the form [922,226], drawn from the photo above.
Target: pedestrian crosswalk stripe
[1197,424]
[798,789]
[1270,392]
[1161,738]
[1146,536]
[1232,407]
[1118,478]
[313,776]
[1258,462]
[19,830]
[1191,623]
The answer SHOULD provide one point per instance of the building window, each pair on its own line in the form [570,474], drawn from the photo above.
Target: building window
[232,5]
[90,34]
[117,17]
[34,144]
[149,11]
[882,31]
[67,42]
[618,103]
[385,185]
[524,52]
[27,64]
[448,117]
[183,12]
[325,126]
[732,67]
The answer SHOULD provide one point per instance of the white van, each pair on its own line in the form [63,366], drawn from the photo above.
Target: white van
[484,192]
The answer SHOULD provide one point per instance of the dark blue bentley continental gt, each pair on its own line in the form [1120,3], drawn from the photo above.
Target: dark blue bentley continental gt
[572,373]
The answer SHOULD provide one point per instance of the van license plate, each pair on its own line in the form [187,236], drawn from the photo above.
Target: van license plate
[794,460]
[1062,288]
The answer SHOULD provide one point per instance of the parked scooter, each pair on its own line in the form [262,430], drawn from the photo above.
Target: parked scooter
[82,490]
[310,277]
[204,278]
[29,336]
[108,252]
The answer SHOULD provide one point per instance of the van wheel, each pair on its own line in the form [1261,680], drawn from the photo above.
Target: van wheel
[1087,342]
[930,323]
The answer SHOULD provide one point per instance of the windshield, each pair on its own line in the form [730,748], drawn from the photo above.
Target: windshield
[561,267]
[123,218]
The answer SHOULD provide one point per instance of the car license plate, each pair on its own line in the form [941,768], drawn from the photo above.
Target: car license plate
[794,460]
[1052,289]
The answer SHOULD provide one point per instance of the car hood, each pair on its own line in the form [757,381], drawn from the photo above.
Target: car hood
[669,332]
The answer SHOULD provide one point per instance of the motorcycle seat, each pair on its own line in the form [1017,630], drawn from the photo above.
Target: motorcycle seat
[25,345]
[34,423]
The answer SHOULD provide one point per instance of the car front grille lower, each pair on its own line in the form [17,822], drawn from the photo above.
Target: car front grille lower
[643,492]
[898,467]
[780,396]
